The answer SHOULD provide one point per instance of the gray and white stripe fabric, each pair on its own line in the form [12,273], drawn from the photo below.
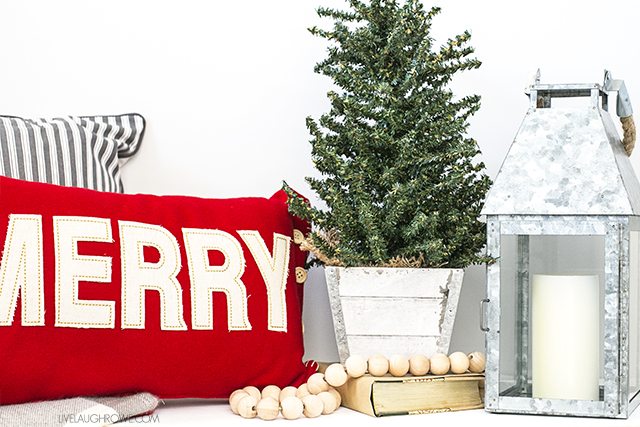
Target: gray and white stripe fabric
[78,411]
[79,151]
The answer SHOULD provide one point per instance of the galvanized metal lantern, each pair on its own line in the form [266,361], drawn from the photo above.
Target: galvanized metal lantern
[562,314]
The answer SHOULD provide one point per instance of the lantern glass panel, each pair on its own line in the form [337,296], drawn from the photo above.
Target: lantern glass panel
[509,334]
[551,316]
[634,314]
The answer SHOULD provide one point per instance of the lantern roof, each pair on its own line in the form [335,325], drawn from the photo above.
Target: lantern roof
[565,161]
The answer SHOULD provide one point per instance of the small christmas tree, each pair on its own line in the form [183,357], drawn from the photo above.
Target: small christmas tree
[398,172]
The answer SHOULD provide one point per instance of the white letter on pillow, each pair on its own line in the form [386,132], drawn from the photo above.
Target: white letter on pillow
[206,278]
[274,270]
[21,271]
[139,275]
[72,268]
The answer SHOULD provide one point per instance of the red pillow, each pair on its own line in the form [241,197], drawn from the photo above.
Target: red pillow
[105,293]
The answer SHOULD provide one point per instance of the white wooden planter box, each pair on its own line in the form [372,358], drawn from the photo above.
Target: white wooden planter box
[393,310]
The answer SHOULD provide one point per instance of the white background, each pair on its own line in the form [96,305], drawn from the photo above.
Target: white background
[225,87]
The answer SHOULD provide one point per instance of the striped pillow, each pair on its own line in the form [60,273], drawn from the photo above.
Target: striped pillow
[71,151]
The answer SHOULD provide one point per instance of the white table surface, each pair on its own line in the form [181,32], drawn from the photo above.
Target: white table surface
[187,413]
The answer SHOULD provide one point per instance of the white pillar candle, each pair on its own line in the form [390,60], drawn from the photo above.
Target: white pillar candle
[565,328]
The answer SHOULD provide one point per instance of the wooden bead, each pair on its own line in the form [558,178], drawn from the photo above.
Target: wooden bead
[316,383]
[253,391]
[268,408]
[247,406]
[292,408]
[459,362]
[302,391]
[336,394]
[335,375]
[477,362]
[398,365]
[329,402]
[313,406]
[419,365]
[356,366]
[439,364]
[236,392]
[287,392]
[378,365]
[272,391]
[235,398]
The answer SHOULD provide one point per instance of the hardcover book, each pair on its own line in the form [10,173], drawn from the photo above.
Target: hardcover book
[381,396]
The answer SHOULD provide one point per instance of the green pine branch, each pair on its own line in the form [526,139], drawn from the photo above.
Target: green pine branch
[397,170]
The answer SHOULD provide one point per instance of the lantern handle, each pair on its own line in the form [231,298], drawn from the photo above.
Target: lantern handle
[483,322]
[623,110]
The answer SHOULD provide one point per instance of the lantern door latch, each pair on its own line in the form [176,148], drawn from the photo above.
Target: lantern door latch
[483,317]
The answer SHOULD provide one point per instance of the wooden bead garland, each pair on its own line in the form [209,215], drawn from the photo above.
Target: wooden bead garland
[356,366]
[335,394]
[316,383]
[329,402]
[440,364]
[419,365]
[398,365]
[459,362]
[292,408]
[378,365]
[253,391]
[303,391]
[477,362]
[268,408]
[313,406]
[234,399]
[335,375]
[288,392]
[318,397]
[272,391]
[247,406]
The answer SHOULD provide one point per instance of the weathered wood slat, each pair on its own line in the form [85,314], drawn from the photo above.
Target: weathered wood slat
[417,317]
[399,282]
